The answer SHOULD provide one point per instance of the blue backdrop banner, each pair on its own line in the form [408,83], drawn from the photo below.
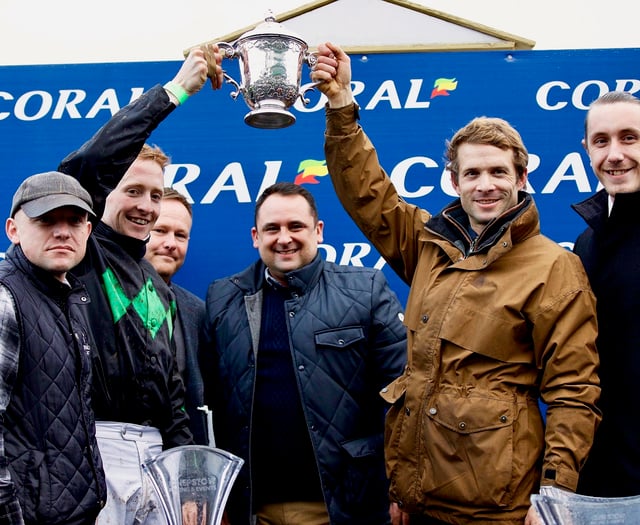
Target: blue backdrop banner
[410,104]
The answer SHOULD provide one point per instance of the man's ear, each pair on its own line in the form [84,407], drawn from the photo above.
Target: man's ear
[12,230]
[522,180]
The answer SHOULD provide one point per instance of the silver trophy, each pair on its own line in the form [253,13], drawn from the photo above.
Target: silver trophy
[271,59]
[193,483]
[560,507]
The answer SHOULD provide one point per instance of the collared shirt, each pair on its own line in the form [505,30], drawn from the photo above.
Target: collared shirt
[9,356]
[272,280]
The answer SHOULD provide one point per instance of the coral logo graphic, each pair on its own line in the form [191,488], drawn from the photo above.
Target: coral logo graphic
[309,169]
[442,86]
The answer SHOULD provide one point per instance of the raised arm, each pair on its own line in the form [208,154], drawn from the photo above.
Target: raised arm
[102,161]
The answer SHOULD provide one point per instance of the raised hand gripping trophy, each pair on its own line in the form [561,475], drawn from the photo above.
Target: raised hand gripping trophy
[271,59]
[193,483]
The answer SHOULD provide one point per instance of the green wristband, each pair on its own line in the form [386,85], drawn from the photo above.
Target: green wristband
[177,91]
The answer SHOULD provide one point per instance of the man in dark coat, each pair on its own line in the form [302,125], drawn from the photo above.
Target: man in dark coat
[50,468]
[610,251]
[296,352]
[138,395]
[166,251]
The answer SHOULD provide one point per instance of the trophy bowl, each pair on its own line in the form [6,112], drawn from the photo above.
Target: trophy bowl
[271,59]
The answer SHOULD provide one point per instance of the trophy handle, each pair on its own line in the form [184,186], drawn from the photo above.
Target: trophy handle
[230,52]
[311,59]
[304,89]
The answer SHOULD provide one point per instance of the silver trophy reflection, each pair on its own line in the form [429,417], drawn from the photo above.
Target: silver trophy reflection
[560,507]
[271,59]
[193,483]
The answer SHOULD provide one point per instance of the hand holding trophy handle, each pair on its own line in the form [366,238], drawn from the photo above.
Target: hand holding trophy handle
[229,52]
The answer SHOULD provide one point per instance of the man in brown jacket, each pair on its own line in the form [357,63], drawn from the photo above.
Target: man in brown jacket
[498,316]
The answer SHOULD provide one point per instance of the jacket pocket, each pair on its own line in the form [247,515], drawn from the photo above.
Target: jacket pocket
[469,448]
[340,354]
[364,484]
[339,338]
[32,484]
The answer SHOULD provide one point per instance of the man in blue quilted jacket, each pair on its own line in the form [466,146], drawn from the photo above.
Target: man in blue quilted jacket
[296,350]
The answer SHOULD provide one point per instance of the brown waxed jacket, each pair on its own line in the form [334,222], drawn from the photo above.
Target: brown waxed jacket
[492,326]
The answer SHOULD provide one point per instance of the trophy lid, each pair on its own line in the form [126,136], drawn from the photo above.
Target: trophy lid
[270,28]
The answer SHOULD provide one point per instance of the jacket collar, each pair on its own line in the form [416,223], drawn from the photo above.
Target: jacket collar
[453,223]
[253,278]
[302,279]
[134,247]
[595,209]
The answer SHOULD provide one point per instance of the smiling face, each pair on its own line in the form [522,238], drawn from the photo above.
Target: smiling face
[487,182]
[286,234]
[134,205]
[55,241]
[169,241]
[613,144]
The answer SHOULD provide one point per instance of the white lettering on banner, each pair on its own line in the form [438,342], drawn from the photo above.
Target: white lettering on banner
[399,175]
[191,173]
[232,178]
[556,94]
[46,101]
[109,100]
[387,91]
[235,172]
[412,98]
[352,255]
[69,99]
[571,163]
[38,104]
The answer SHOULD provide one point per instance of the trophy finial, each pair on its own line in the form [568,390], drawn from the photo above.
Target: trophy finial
[270,16]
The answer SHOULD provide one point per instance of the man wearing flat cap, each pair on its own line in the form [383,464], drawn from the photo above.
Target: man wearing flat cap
[50,467]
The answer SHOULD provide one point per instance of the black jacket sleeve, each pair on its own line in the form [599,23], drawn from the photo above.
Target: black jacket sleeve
[102,161]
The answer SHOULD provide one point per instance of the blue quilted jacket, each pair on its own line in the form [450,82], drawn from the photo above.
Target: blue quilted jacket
[348,342]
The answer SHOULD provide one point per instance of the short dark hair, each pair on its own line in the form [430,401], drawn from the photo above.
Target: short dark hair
[287,189]
[612,97]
